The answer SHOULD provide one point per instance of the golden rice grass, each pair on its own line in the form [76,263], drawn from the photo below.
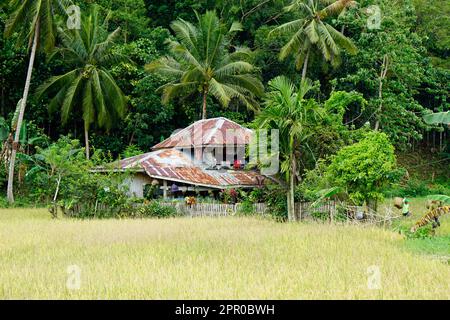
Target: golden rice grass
[208,258]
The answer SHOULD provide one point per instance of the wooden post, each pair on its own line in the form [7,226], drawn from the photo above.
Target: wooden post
[330,209]
[164,189]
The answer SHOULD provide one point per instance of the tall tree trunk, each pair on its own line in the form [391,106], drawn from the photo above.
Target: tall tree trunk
[55,197]
[288,201]
[3,102]
[292,194]
[383,72]
[291,182]
[305,65]
[10,189]
[86,141]
[205,95]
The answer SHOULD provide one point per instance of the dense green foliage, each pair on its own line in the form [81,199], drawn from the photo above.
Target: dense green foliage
[88,87]
[412,83]
[386,77]
[364,168]
[312,35]
[287,111]
[59,174]
[200,62]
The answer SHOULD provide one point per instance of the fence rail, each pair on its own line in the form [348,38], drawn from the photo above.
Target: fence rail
[330,210]
[214,209]
[302,210]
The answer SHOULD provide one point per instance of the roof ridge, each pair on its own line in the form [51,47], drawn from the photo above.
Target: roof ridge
[219,123]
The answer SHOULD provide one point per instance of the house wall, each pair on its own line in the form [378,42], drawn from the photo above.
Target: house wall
[136,184]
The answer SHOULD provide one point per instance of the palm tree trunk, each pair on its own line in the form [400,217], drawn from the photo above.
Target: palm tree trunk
[205,95]
[305,66]
[290,196]
[10,189]
[86,141]
[288,201]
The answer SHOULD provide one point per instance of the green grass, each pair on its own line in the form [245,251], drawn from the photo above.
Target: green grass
[438,247]
[216,258]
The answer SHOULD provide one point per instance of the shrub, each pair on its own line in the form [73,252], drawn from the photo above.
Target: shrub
[425,232]
[19,202]
[131,150]
[246,207]
[257,195]
[276,203]
[365,168]
[320,215]
[339,216]
[416,188]
[154,209]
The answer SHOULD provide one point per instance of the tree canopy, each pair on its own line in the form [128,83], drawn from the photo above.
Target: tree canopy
[200,61]
[378,66]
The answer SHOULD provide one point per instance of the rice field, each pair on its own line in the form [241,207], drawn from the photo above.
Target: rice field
[208,258]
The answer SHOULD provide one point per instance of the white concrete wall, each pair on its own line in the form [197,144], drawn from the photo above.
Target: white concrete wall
[136,184]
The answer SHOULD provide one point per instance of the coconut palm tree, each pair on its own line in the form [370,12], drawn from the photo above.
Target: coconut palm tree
[311,32]
[201,60]
[88,88]
[33,22]
[287,110]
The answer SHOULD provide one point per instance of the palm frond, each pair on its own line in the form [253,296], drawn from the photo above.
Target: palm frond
[341,40]
[219,91]
[182,53]
[187,33]
[57,101]
[47,27]
[99,96]
[248,82]
[114,95]
[102,47]
[173,90]
[293,45]
[288,27]
[328,38]
[236,67]
[311,32]
[336,7]
[88,104]
[56,81]
[69,99]
[18,18]
[166,66]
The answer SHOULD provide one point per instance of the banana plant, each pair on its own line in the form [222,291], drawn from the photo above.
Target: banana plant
[6,132]
[325,194]
[57,162]
[440,197]
[437,118]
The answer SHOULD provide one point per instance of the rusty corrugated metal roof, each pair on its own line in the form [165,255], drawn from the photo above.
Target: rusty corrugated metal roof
[174,165]
[208,132]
